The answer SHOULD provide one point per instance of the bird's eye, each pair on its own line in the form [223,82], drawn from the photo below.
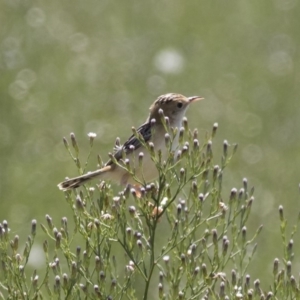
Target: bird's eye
[179,104]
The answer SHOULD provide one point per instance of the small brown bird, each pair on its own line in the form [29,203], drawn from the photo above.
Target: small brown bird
[174,107]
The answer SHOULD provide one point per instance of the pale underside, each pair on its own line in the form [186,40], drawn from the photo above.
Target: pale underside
[149,171]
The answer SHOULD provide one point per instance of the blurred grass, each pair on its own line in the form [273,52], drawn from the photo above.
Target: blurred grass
[97,66]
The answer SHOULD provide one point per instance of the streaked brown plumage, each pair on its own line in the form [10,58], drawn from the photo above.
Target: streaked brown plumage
[174,107]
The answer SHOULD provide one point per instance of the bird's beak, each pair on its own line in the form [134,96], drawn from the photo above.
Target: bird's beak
[194,99]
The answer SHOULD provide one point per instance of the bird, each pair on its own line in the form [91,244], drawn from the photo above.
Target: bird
[172,106]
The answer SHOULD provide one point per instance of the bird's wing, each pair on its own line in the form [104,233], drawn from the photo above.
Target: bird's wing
[144,130]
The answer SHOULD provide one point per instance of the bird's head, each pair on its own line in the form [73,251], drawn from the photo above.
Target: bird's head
[173,106]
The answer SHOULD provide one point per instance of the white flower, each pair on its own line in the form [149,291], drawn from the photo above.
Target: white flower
[92,135]
[166,258]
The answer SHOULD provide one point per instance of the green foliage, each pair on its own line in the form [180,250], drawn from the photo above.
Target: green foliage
[206,248]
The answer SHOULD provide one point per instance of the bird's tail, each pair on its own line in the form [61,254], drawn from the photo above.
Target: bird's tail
[75,182]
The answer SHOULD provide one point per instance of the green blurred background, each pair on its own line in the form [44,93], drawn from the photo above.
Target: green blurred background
[96,66]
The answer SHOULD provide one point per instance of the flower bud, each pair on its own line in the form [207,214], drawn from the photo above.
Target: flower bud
[97,263]
[128,231]
[247,282]
[66,143]
[244,232]
[233,277]
[92,136]
[195,134]
[233,194]
[78,250]
[182,258]
[74,142]
[73,269]
[5,226]
[57,263]
[208,148]
[49,221]
[214,130]
[133,193]
[166,259]
[195,145]
[18,258]
[179,155]
[201,197]
[65,281]
[179,208]
[45,246]
[160,290]
[225,148]
[196,271]
[269,296]
[275,266]
[102,275]
[185,150]
[85,258]
[181,134]
[83,287]
[290,248]
[113,283]
[161,113]
[241,193]
[182,174]
[214,236]
[33,227]
[204,271]
[127,164]
[15,243]
[132,210]
[167,122]
[281,213]
[180,295]
[225,246]
[293,283]
[215,172]
[222,289]
[167,140]
[151,149]
[57,284]
[58,240]
[245,184]
[250,201]
[79,203]
[139,244]
[141,157]
[289,268]
[257,287]
[137,235]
